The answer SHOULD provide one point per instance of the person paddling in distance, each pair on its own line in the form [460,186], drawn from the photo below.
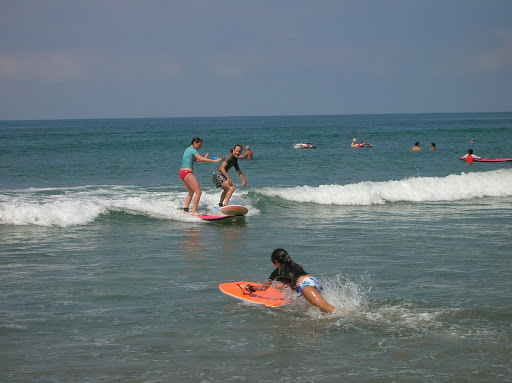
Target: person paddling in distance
[221,178]
[470,157]
[293,275]
[191,156]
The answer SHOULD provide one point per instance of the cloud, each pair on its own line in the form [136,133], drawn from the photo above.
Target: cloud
[475,58]
[58,67]
[130,66]
[44,67]
[501,57]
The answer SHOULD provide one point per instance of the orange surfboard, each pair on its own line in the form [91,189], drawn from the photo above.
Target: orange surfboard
[274,296]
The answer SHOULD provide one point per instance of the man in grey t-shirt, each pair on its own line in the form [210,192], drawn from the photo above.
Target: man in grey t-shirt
[221,178]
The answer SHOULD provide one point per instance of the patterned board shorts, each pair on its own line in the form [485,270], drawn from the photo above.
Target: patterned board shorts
[218,178]
[309,281]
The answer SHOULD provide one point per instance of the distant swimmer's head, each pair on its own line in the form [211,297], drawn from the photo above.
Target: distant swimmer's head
[470,151]
[247,147]
[417,143]
[354,140]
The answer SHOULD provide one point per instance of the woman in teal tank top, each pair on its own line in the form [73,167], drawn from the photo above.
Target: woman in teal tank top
[191,156]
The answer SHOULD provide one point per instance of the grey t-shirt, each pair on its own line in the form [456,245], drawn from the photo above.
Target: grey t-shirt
[231,161]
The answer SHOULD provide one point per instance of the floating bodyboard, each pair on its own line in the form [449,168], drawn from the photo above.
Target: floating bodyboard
[274,296]
[304,146]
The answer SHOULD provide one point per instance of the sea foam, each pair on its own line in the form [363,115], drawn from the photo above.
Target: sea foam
[83,205]
[77,206]
[465,186]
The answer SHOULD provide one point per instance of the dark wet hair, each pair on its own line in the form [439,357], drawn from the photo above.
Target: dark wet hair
[282,256]
[417,143]
[196,140]
[470,151]
[241,147]
[433,144]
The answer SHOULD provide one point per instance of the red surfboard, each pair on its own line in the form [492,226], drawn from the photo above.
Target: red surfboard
[488,159]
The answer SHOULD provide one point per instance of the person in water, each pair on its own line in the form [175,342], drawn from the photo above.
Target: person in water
[470,157]
[248,153]
[416,147]
[354,144]
[293,275]
[433,146]
[221,178]
[190,156]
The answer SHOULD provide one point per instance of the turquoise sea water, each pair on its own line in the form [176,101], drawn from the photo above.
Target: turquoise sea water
[103,279]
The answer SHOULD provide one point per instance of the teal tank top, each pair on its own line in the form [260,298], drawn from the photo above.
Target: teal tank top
[189,157]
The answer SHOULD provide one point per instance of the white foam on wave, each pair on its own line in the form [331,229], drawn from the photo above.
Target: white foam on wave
[64,207]
[465,186]
[57,213]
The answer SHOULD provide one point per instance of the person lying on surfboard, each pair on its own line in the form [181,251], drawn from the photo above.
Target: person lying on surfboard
[292,274]
[470,157]
[221,178]
[354,144]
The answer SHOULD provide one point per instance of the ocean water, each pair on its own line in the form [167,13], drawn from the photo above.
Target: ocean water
[104,279]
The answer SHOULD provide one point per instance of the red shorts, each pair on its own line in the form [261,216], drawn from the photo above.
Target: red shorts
[183,174]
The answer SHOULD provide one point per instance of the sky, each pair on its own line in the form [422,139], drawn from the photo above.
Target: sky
[64,59]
